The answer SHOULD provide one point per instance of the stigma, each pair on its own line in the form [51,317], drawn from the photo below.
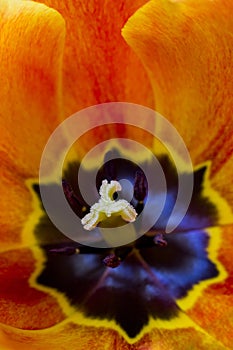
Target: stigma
[107,207]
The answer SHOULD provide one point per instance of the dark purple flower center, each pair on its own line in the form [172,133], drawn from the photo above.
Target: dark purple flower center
[132,283]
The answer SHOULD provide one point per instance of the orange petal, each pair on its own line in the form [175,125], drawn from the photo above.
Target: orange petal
[187,47]
[23,306]
[98,65]
[67,336]
[31,47]
[214,309]
[15,205]
[74,337]
[184,338]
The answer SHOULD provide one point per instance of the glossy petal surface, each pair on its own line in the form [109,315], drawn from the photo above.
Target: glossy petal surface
[31,46]
[98,65]
[186,48]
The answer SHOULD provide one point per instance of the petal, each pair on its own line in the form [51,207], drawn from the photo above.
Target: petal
[123,298]
[15,205]
[214,309]
[92,291]
[31,47]
[204,209]
[23,306]
[67,336]
[75,337]
[173,265]
[98,65]
[19,207]
[186,47]
[188,338]
[24,310]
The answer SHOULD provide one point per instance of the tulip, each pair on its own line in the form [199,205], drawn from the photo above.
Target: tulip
[161,291]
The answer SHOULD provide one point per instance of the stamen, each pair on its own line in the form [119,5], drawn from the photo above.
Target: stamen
[140,186]
[107,207]
[111,261]
[76,203]
[123,252]
[159,240]
[109,168]
[64,251]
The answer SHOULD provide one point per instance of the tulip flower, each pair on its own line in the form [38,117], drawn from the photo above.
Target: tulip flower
[161,291]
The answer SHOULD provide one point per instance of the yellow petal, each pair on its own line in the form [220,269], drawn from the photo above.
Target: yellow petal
[186,48]
[98,65]
[31,47]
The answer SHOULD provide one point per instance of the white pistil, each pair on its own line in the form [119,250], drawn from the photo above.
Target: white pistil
[107,207]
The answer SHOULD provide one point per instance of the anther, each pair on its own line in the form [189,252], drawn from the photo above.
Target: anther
[64,251]
[76,203]
[140,186]
[159,240]
[111,261]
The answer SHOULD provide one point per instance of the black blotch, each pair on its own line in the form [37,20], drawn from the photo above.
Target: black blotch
[72,275]
[128,294]
[125,170]
[36,189]
[185,256]
[130,297]
[201,212]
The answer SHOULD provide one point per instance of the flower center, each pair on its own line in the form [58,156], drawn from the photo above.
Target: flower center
[142,280]
[107,207]
[110,211]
